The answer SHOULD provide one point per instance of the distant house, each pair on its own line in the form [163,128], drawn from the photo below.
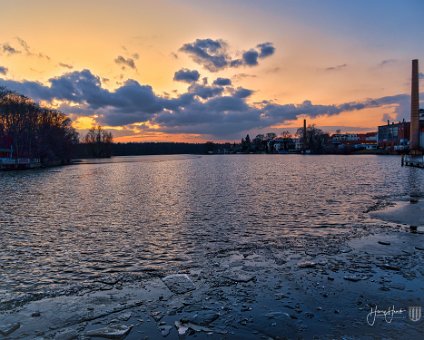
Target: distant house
[9,159]
[283,145]
[344,138]
[358,141]
[6,148]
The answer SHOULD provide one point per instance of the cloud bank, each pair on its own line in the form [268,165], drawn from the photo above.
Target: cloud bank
[218,110]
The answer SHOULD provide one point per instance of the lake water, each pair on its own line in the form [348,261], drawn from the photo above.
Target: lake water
[136,217]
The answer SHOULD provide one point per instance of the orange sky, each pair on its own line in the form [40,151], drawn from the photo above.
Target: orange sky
[330,54]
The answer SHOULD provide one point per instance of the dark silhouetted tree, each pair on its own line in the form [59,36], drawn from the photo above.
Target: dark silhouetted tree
[316,139]
[99,142]
[35,131]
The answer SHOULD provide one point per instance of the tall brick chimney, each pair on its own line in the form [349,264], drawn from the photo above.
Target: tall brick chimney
[414,140]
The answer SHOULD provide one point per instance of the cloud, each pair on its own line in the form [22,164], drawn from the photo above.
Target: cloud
[204,91]
[386,61]
[386,117]
[203,109]
[275,69]
[8,49]
[420,75]
[214,54]
[25,46]
[336,68]
[243,76]
[187,75]
[66,65]
[242,92]
[222,81]
[120,60]
[250,57]
[266,49]
[3,70]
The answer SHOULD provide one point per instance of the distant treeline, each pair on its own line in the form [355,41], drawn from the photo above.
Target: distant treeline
[35,132]
[159,148]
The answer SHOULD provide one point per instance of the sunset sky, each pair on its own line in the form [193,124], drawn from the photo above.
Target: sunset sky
[197,70]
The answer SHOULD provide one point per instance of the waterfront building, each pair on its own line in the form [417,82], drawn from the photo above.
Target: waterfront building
[358,141]
[9,159]
[396,136]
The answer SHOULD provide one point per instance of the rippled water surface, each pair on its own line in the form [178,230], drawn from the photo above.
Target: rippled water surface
[149,215]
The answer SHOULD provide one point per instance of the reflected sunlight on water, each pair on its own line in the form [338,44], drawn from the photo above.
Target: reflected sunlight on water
[139,215]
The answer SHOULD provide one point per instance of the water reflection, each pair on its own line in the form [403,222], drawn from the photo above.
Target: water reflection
[87,223]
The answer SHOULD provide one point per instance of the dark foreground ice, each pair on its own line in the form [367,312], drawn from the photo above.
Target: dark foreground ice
[264,292]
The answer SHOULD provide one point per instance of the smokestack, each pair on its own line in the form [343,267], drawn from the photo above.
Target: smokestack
[414,140]
[304,134]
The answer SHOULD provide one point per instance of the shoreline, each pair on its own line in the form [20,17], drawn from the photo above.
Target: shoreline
[251,293]
[403,212]
[106,160]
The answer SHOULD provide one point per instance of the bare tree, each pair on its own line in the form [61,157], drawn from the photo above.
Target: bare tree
[36,132]
[99,142]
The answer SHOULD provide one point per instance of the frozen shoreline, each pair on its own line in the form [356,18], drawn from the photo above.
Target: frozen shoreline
[403,212]
[252,293]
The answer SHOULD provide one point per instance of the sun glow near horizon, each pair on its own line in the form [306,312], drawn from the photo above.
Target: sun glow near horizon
[185,77]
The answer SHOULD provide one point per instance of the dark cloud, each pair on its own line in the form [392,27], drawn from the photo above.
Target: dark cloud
[236,63]
[66,65]
[421,75]
[120,60]
[3,70]
[187,75]
[266,49]
[222,82]
[214,55]
[31,89]
[242,92]
[9,49]
[250,57]
[336,68]
[203,109]
[204,91]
